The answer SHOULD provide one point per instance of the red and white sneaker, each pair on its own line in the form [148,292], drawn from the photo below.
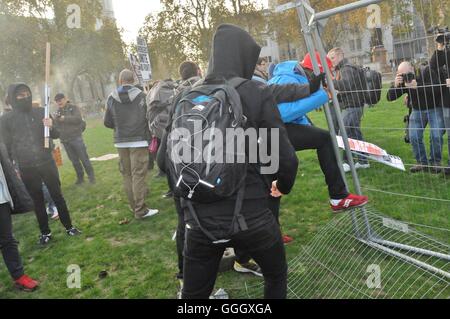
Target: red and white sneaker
[287,239]
[351,201]
[25,283]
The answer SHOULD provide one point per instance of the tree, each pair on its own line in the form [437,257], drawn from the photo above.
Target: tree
[286,25]
[95,52]
[184,29]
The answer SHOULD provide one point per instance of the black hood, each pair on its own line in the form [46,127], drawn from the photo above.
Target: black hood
[12,91]
[234,53]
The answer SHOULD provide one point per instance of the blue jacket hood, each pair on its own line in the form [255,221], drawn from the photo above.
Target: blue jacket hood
[295,112]
[284,68]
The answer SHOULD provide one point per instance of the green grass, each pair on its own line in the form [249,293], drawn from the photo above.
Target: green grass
[140,257]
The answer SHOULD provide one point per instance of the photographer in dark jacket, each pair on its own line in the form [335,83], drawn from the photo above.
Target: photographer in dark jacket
[425,98]
[351,99]
[440,63]
[22,131]
[70,124]
[235,54]
[13,199]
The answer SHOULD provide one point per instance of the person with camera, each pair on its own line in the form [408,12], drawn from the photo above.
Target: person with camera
[69,122]
[439,63]
[423,96]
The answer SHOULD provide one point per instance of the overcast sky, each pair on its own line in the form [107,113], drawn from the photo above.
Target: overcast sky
[130,15]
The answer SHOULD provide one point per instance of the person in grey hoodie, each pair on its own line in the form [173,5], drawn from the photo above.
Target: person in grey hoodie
[126,111]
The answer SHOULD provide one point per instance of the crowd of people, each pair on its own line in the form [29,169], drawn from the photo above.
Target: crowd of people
[256,95]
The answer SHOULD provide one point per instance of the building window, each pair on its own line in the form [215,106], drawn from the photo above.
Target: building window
[359,44]
[352,45]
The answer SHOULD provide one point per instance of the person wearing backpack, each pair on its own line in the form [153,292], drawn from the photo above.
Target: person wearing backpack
[288,92]
[190,74]
[240,216]
[158,100]
[351,85]
[126,115]
[70,123]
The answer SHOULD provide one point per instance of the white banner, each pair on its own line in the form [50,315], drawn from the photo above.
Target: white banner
[360,146]
[389,160]
[373,152]
[144,59]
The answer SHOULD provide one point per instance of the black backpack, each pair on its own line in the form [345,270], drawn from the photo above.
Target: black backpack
[370,82]
[374,84]
[194,174]
[159,99]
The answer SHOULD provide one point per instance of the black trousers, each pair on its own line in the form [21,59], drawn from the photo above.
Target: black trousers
[77,153]
[305,137]
[8,245]
[262,241]
[48,174]
[242,257]
[180,235]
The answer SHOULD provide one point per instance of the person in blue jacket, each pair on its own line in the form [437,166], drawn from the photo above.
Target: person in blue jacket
[303,135]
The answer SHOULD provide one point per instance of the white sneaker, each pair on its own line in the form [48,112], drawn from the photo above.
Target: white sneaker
[346,167]
[150,213]
[362,166]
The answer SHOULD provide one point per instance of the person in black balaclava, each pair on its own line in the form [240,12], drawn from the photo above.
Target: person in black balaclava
[22,131]
[235,54]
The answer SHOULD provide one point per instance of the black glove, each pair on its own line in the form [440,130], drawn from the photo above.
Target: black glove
[315,82]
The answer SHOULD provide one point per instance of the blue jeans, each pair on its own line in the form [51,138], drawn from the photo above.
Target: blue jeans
[446,111]
[352,117]
[418,121]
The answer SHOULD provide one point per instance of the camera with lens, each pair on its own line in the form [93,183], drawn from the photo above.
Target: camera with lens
[442,35]
[408,77]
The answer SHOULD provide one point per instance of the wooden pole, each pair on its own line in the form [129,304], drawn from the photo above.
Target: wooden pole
[47,94]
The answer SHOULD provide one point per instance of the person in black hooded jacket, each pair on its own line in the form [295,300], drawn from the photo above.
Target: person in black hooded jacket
[22,131]
[440,63]
[235,54]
